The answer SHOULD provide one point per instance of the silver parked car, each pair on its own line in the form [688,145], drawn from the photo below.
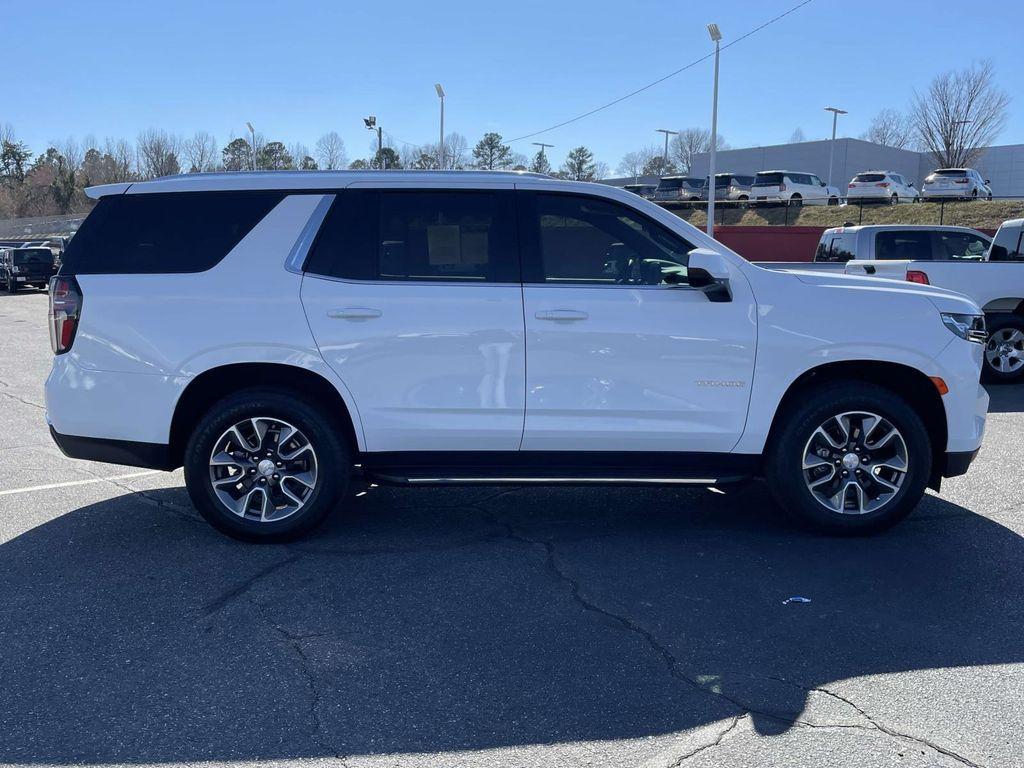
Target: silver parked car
[679,188]
[730,186]
[955,183]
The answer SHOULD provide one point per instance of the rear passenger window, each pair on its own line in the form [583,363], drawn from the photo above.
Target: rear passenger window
[903,245]
[961,245]
[419,235]
[164,232]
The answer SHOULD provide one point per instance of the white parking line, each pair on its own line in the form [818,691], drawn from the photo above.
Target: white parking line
[70,483]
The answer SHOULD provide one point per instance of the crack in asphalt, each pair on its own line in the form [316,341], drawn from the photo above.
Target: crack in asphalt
[675,670]
[294,642]
[237,591]
[710,745]
[22,400]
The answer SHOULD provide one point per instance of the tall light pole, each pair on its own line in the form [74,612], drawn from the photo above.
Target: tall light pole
[542,146]
[440,146]
[664,159]
[716,37]
[252,147]
[836,112]
[371,125]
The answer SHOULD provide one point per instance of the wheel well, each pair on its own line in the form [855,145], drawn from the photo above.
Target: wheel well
[1010,305]
[212,385]
[916,388]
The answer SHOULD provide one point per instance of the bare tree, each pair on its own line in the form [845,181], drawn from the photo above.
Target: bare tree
[158,153]
[71,151]
[633,163]
[960,115]
[200,152]
[688,143]
[797,136]
[330,151]
[122,157]
[455,147]
[891,128]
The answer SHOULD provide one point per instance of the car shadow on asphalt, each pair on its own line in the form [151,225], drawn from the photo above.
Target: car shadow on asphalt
[435,621]
[1005,398]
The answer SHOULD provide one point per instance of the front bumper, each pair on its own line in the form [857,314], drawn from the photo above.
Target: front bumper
[958,462]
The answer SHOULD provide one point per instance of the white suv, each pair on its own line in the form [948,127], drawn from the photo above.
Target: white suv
[278,334]
[956,183]
[882,187]
[792,188]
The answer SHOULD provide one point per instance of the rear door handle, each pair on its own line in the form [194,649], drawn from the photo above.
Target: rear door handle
[354,313]
[561,314]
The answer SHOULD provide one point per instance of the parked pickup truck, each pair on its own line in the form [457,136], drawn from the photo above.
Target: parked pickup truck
[907,242]
[996,284]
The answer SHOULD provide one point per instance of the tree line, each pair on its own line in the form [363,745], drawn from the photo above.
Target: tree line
[54,181]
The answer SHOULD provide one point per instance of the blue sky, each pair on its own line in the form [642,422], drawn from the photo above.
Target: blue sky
[299,69]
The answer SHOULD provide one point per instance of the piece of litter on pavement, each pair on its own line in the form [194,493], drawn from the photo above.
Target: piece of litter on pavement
[796,599]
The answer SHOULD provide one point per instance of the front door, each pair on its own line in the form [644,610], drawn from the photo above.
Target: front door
[622,355]
[413,297]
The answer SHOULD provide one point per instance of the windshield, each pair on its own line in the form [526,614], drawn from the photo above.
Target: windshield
[768,179]
[869,177]
[33,256]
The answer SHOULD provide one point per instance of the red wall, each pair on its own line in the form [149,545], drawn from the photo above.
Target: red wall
[771,243]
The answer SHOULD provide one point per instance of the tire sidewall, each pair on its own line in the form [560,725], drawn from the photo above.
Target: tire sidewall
[784,465]
[990,374]
[333,463]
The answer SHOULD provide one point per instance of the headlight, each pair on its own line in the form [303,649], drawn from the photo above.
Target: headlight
[969,327]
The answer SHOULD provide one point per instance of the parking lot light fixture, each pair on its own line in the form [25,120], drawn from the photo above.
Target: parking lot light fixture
[440,146]
[252,146]
[716,38]
[836,112]
[664,159]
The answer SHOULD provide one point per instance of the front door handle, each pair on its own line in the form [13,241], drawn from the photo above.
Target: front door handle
[354,313]
[561,314]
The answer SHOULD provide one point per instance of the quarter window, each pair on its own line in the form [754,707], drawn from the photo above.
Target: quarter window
[589,240]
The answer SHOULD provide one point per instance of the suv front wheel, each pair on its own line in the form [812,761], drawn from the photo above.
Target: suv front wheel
[264,465]
[852,458]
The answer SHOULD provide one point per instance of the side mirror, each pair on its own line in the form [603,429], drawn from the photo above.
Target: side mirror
[708,271]
[822,183]
[987,181]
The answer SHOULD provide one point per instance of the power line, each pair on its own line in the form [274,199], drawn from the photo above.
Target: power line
[692,64]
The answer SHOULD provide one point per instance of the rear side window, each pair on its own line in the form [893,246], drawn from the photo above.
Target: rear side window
[164,233]
[903,245]
[839,247]
[961,245]
[419,236]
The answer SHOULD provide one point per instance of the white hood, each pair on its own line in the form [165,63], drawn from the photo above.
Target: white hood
[943,299]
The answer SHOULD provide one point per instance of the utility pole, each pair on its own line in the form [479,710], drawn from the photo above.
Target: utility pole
[832,147]
[664,159]
[716,37]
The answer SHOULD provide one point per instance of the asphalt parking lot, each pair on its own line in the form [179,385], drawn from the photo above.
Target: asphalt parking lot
[498,627]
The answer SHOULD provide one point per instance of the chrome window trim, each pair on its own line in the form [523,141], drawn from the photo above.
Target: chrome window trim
[300,250]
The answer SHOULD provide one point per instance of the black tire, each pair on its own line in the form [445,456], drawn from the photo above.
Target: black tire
[833,201]
[12,287]
[784,462]
[796,200]
[894,200]
[324,434]
[997,323]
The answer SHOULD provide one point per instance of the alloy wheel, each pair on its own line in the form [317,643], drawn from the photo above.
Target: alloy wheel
[855,463]
[263,469]
[1004,351]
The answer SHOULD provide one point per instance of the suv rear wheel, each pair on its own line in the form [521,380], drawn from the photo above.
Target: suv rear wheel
[264,465]
[852,458]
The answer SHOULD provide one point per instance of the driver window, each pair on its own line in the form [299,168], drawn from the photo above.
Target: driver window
[590,240]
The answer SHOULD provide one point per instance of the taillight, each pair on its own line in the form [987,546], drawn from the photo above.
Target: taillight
[782,186]
[851,185]
[916,276]
[960,181]
[65,311]
[883,184]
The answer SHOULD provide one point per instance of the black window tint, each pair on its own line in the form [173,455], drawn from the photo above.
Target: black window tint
[161,233]
[420,235]
[837,248]
[903,245]
[589,240]
[1008,245]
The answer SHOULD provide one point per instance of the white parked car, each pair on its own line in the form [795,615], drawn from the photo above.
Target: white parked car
[957,183]
[793,188]
[283,334]
[881,187]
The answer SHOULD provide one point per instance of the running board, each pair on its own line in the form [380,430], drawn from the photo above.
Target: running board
[557,468]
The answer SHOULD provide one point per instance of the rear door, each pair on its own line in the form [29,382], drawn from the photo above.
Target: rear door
[413,296]
[618,357]
[903,245]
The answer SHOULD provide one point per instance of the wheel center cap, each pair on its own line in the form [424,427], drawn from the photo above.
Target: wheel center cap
[851,461]
[265,468]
